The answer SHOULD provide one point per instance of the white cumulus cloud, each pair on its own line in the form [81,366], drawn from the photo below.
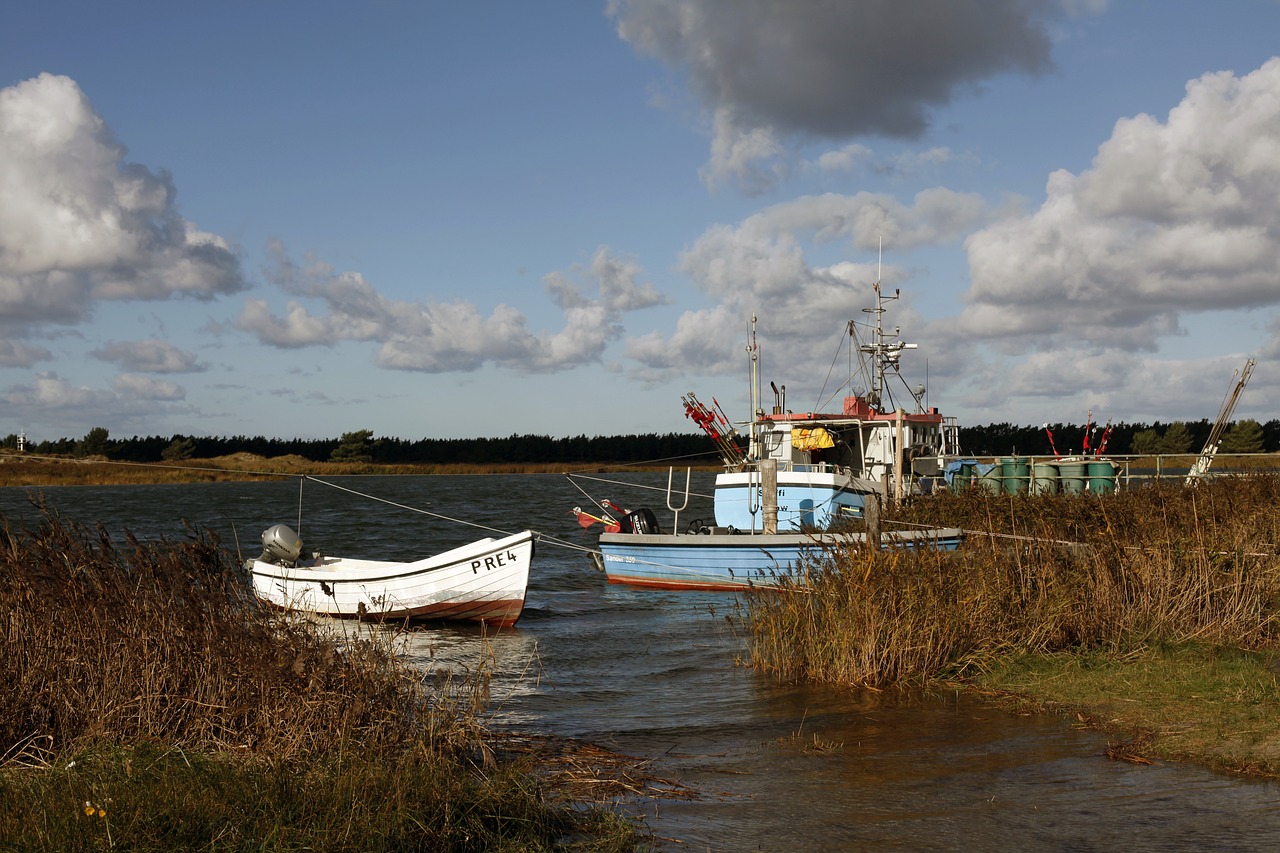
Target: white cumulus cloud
[438,337]
[1174,217]
[79,224]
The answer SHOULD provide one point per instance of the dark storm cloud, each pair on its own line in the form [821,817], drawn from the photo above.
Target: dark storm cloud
[836,68]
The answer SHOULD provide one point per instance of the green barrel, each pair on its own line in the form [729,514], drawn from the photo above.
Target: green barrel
[1072,477]
[1016,474]
[960,479]
[1045,481]
[1101,477]
[991,482]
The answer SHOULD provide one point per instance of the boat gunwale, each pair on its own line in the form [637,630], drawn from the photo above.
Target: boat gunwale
[748,539]
[362,571]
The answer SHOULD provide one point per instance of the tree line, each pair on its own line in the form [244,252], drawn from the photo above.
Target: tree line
[999,439]
[362,446]
[1004,439]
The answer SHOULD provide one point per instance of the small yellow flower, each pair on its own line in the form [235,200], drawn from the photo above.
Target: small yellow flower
[88,808]
[102,812]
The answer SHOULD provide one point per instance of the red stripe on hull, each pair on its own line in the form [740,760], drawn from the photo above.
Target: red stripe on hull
[652,583]
[499,614]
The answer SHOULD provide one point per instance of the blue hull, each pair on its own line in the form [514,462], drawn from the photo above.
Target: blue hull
[729,562]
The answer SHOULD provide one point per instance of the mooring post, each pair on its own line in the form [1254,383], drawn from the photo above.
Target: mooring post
[899,459]
[871,517]
[769,493]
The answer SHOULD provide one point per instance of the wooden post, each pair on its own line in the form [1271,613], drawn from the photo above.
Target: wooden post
[871,516]
[769,493]
[897,462]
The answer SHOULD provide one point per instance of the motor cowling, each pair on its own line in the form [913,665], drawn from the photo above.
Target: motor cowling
[643,521]
[280,545]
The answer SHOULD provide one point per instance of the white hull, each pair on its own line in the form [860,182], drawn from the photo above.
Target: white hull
[484,581]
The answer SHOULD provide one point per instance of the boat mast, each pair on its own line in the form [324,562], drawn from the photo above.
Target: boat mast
[882,355]
[753,355]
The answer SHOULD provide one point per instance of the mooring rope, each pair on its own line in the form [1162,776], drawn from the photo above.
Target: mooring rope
[540,536]
[438,515]
[302,478]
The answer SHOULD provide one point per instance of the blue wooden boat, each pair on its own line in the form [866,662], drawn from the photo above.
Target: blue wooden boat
[794,473]
[732,561]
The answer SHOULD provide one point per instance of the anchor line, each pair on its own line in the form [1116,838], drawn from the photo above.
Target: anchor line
[1037,539]
[573,477]
[440,516]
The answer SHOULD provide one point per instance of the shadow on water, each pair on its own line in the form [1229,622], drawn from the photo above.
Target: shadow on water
[659,675]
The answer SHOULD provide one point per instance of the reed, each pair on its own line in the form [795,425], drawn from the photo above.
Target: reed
[148,702]
[1037,574]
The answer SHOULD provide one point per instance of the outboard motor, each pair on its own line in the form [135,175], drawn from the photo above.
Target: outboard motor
[643,521]
[280,545]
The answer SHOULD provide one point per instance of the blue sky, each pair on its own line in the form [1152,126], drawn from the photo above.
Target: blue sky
[434,219]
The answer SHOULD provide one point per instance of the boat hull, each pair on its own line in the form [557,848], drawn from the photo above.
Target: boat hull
[722,561]
[483,581]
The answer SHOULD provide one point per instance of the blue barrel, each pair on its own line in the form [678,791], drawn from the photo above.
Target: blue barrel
[1072,477]
[1045,478]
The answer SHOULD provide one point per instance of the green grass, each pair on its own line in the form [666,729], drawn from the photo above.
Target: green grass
[152,797]
[1211,704]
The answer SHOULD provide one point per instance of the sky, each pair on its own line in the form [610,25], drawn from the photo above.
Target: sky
[435,220]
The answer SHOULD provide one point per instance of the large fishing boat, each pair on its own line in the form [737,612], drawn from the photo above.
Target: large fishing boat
[797,476]
[883,440]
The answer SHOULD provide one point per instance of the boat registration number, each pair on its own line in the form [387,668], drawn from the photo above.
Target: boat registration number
[493,561]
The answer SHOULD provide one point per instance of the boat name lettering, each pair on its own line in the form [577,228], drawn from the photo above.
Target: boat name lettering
[493,561]
[782,508]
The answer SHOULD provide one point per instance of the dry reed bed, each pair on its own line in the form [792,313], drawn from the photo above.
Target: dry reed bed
[1037,574]
[146,701]
[161,641]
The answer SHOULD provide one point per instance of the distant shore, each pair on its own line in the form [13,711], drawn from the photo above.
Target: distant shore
[34,471]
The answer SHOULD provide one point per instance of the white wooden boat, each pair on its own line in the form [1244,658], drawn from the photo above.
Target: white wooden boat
[483,581]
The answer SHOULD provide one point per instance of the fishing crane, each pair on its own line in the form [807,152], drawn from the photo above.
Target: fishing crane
[1201,467]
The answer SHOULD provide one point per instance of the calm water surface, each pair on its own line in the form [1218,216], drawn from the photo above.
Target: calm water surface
[658,675]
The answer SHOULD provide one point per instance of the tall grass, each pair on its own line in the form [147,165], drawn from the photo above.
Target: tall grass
[146,701]
[1036,574]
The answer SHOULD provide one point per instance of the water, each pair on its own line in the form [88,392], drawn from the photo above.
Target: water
[658,675]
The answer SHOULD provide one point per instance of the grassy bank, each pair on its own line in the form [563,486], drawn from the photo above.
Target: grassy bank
[1213,705]
[148,704]
[1071,601]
